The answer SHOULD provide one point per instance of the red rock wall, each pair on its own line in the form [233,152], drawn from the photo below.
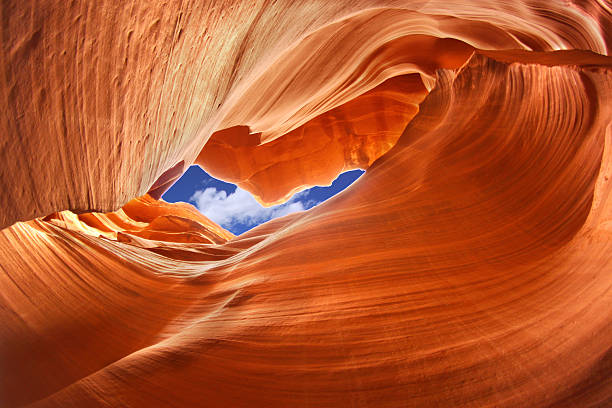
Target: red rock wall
[103,97]
[468,267]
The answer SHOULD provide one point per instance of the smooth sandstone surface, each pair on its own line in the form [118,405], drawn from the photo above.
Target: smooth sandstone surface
[103,97]
[350,136]
[469,266]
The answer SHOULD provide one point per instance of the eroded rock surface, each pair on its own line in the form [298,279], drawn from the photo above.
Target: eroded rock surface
[468,267]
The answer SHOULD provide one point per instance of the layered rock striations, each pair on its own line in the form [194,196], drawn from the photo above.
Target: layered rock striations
[102,98]
[469,266]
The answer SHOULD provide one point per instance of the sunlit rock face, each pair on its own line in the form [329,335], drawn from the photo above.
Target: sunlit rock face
[468,267]
[348,137]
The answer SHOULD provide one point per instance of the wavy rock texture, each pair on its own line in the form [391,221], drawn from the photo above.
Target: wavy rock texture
[104,97]
[469,266]
[350,136]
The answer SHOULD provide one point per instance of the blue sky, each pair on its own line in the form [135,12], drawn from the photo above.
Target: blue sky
[235,209]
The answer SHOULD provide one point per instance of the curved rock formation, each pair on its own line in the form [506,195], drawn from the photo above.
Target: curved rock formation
[102,98]
[468,267]
[350,136]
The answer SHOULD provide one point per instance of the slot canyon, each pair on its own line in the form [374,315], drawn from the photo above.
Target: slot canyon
[469,266]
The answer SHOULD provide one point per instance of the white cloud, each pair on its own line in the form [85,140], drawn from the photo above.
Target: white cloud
[240,207]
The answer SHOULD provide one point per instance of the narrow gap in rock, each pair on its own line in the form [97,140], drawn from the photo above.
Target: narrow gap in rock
[235,209]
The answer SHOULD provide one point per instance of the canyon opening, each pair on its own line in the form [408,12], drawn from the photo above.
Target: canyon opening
[171,233]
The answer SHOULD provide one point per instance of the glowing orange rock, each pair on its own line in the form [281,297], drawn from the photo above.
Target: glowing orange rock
[469,266]
[147,218]
[348,137]
[102,99]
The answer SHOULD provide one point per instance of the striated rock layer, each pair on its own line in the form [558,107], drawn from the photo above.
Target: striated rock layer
[103,97]
[468,267]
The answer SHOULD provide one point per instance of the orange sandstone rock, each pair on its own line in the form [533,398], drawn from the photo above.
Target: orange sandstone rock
[102,97]
[350,136]
[468,267]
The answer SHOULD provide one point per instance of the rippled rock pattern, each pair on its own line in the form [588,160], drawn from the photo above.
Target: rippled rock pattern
[470,266]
